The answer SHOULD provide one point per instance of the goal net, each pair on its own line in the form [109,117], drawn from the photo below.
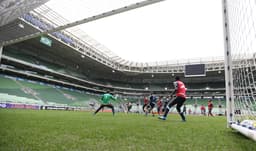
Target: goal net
[240,27]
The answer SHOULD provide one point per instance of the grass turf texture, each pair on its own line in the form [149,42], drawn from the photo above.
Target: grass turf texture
[67,130]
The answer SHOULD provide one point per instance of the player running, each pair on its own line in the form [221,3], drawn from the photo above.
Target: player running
[152,103]
[105,99]
[180,91]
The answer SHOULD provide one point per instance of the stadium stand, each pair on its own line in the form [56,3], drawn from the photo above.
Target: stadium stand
[9,86]
[133,85]
[44,92]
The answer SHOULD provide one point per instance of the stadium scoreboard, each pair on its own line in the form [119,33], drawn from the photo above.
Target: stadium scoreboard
[194,70]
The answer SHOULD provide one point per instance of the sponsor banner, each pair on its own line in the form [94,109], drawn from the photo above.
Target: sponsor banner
[2,105]
[19,106]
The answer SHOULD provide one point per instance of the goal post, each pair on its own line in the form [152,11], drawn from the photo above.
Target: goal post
[240,64]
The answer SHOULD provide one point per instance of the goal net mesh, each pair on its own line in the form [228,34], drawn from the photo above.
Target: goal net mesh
[242,38]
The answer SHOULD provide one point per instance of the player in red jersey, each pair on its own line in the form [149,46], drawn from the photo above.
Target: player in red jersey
[159,105]
[180,91]
[210,106]
[146,101]
[202,108]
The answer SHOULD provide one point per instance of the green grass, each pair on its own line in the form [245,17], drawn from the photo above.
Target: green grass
[67,130]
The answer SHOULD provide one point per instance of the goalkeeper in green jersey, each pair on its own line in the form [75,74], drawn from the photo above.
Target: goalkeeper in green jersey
[105,99]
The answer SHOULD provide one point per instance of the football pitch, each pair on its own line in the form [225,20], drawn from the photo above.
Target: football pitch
[32,130]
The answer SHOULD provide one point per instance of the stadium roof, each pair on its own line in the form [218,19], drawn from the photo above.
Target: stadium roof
[12,9]
[155,32]
[59,13]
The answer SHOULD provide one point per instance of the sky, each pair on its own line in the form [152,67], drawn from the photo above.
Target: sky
[168,30]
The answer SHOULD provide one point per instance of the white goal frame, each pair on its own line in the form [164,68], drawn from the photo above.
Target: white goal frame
[243,124]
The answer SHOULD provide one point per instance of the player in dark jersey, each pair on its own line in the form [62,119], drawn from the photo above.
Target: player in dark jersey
[165,103]
[105,99]
[152,103]
[180,91]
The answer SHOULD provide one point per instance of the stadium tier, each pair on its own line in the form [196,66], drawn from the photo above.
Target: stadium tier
[44,92]
[10,86]
[93,75]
